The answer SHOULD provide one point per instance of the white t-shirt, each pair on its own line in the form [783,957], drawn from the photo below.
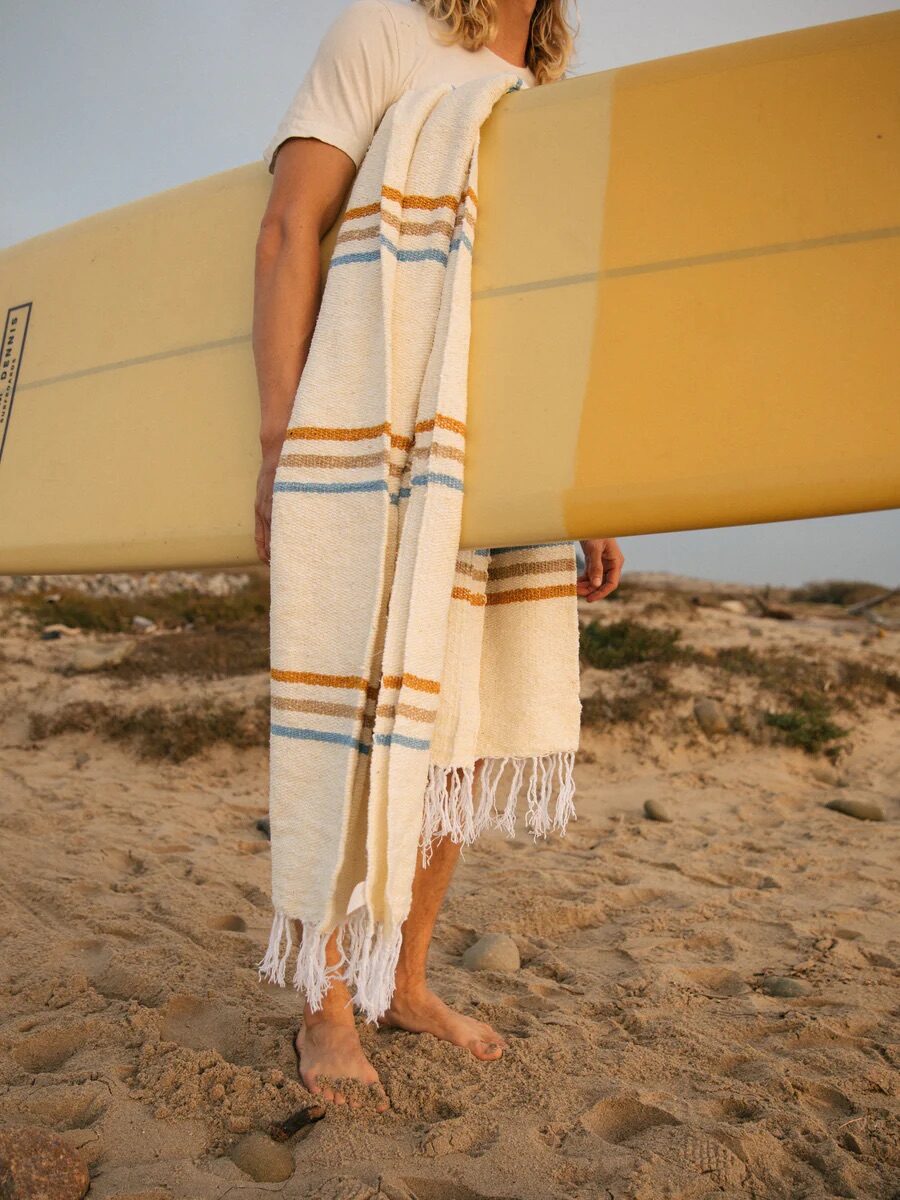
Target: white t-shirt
[374,52]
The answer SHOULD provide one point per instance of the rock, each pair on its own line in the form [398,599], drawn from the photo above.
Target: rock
[49,632]
[492,952]
[35,1165]
[262,1159]
[863,810]
[734,606]
[784,986]
[95,658]
[656,810]
[710,716]
[142,624]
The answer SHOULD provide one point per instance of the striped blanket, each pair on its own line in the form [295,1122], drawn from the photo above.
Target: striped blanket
[397,659]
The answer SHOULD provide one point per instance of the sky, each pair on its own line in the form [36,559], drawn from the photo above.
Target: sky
[107,101]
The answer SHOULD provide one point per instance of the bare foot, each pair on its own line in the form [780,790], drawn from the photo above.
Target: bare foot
[421,1011]
[330,1047]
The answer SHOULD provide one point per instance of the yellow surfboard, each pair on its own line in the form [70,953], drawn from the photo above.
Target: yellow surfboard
[685,314]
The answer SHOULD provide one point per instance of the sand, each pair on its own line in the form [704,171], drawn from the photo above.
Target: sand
[648,1058]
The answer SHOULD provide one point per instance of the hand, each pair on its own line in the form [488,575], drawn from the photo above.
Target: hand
[263,508]
[603,562]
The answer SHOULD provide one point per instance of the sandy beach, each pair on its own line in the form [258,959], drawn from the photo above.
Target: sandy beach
[706,1004]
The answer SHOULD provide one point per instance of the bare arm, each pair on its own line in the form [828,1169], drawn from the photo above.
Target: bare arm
[311,180]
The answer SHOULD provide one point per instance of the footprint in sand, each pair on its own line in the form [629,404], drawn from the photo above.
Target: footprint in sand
[824,1101]
[620,1118]
[65,1108]
[229,922]
[208,1025]
[697,1152]
[51,1048]
[455,1136]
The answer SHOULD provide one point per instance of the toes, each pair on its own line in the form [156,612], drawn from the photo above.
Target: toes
[486,1049]
[381,1102]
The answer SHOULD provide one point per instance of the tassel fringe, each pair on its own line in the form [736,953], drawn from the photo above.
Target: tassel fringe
[367,962]
[451,809]
[368,954]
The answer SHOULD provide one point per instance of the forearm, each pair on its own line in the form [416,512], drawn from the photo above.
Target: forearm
[287,294]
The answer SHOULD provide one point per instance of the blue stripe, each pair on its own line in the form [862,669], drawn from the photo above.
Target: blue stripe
[436,477]
[425,254]
[387,739]
[365,485]
[539,546]
[319,735]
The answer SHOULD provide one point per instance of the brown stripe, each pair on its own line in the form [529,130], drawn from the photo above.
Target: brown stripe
[412,681]
[464,568]
[407,228]
[516,595]
[332,460]
[405,710]
[440,450]
[366,210]
[341,681]
[547,566]
[318,706]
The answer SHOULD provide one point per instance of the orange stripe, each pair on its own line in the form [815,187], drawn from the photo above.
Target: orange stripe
[351,433]
[461,593]
[544,593]
[338,433]
[441,422]
[514,595]
[411,201]
[345,681]
[411,681]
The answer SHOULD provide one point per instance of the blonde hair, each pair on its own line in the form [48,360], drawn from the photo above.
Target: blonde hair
[473,23]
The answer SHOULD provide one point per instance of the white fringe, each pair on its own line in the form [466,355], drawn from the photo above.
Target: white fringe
[451,809]
[367,962]
[368,955]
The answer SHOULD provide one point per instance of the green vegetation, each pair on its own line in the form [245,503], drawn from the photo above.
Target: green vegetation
[808,725]
[624,643]
[162,733]
[113,614]
[843,592]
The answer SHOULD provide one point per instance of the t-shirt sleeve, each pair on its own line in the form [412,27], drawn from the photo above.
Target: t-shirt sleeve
[354,78]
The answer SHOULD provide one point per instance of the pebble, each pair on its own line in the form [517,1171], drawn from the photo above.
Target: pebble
[142,624]
[35,1165]
[782,985]
[94,658]
[262,1159]
[710,716]
[656,810]
[863,810]
[492,952]
[734,606]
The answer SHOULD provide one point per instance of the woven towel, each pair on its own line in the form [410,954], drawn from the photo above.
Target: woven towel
[398,659]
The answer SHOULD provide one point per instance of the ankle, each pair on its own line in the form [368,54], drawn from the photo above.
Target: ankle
[409,986]
[336,1009]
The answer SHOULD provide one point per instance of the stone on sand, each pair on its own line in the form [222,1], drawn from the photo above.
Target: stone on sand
[262,1159]
[95,658]
[492,952]
[35,1165]
[784,986]
[863,810]
[656,810]
[710,716]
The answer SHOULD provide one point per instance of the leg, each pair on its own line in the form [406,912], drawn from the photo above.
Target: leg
[328,1044]
[414,1006]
